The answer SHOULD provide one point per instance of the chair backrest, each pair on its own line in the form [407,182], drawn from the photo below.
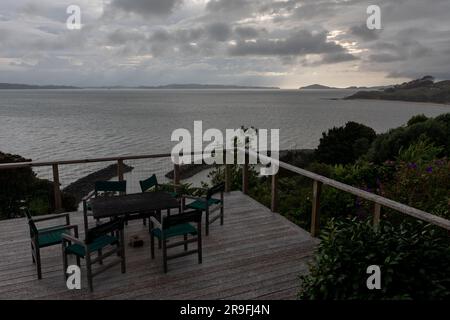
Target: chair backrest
[104,229]
[215,189]
[148,184]
[110,187]
[33,228]
[194,216]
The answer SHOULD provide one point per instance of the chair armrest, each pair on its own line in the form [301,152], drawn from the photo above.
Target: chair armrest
[156,223]
[89,196]
[68,237]
[56,216]
[194,198]
[68,227]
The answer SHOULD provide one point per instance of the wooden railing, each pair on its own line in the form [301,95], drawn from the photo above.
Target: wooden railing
[318,182]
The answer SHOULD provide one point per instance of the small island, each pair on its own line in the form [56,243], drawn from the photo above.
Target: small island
[419,90]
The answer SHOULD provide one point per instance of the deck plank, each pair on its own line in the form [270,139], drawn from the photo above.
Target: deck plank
[256,255]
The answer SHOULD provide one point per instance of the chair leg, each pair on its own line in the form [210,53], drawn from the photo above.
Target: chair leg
[164,245]
[207,222]
[144,221]
[100,252]
[38,263]
[122,253]
[65,262]
[32,253]
[152,245]
[185,244]
[89,271]
[199,243]
[159,243]
[78,261]
[221,214]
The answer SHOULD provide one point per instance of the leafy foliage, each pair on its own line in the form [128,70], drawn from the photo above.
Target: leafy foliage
[346,144]
[22,184]
[414,259]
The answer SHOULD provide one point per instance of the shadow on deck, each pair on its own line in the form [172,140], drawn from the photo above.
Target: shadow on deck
[255,255]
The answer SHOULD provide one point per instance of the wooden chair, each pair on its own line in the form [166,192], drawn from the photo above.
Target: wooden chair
[109,189]
[46,237]
[96,240]
[176,226]
[209,204]
[151,184]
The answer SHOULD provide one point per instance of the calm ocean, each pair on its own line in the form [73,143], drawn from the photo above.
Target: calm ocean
[67,124]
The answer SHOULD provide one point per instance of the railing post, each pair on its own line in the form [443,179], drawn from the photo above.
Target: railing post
[376,215]
[176,175]
[120,169]
[56,188]
[315,216]
[274,205]
[227,178]
[245,176]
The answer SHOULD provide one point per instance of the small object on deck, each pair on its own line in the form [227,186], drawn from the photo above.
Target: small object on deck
[136,242]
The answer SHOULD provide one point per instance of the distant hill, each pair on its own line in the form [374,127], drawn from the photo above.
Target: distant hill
[26,86]
[317,87]
[420,90]
[322,87]
[170,86]
[205,86]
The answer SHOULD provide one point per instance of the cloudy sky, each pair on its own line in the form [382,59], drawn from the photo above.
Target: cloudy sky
[287,43]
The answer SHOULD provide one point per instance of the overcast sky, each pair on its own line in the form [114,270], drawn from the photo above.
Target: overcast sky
[243,42]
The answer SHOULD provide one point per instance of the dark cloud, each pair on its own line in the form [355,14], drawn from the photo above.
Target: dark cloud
[365,33]
[384,57]
[247,32]
[121,37]
[219,31]
[147,7]
[297,44]
[338,57]
[228,5]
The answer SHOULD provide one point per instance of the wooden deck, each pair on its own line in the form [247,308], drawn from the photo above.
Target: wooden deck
[255,255]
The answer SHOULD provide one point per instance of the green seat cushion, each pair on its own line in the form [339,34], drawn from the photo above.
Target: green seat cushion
[178,230]
[201,204]
[50,238]
[174,194]
[98,244]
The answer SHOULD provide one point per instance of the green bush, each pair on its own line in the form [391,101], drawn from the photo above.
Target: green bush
[345,144]
[21,184]
[387,146]
[414,259]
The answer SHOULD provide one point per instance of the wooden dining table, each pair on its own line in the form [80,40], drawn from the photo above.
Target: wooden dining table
[139,203]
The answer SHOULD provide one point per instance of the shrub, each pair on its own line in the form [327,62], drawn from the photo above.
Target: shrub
[417,119]
[22,184]
[346,144]
[414,259]
[387,146]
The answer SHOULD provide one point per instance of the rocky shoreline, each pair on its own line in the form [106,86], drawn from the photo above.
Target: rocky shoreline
[83,186]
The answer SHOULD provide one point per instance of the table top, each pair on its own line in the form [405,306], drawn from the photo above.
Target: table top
[133,203]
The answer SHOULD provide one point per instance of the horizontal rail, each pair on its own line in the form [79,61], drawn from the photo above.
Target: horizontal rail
[385,202]
[81,161]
